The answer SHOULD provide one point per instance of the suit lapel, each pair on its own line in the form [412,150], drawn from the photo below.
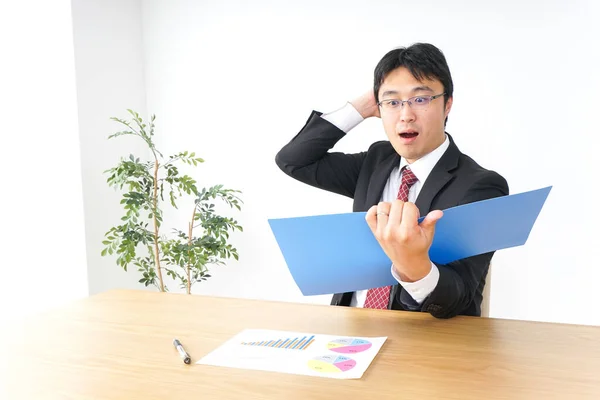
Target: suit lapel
[438,178]
[379,179]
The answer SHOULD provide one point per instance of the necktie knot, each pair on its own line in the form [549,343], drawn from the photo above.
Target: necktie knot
[408,179]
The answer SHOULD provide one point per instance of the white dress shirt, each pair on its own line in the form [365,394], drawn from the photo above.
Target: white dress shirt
[346,119]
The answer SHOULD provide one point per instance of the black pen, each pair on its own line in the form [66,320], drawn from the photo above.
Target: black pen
[182,352]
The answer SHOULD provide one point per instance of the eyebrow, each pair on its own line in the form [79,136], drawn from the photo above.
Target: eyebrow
[422,89]
[414,90]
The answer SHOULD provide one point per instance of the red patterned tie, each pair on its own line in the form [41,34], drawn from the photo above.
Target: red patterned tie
[379,297]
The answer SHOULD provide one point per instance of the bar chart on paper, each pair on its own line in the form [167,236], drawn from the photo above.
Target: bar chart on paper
[297,343]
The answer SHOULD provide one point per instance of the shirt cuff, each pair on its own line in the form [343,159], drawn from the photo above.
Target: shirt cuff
[422,288]
[345,118]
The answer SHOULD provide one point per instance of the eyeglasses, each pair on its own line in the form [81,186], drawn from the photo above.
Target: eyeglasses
[416,103]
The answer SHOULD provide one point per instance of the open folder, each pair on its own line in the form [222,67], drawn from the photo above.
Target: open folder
[338,253]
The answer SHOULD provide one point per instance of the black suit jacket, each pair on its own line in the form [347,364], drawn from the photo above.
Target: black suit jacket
[456,179]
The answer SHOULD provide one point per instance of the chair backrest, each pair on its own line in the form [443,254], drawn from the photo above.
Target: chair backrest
[485,302]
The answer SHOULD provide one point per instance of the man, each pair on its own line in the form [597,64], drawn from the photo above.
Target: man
[419,170]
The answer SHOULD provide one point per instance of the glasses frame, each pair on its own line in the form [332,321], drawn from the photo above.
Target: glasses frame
[411,100]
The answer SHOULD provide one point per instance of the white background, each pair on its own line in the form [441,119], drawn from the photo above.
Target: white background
[235,81]
[42,242]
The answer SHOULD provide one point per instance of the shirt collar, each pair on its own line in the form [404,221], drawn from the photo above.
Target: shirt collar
[424,165]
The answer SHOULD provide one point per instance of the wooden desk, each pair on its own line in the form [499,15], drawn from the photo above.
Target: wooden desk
[118,345]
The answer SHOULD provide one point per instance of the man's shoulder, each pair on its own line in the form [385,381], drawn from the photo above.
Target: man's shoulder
[474,176]
[381,147]
[475,169]
[379,152]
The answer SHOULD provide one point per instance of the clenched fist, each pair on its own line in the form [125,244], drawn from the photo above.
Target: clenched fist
[406,242]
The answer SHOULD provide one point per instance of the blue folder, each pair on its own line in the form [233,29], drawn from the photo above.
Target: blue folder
[338,253]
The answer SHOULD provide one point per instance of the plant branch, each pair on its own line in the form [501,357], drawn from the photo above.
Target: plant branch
[171,161]
[127,125]
[156,254]
[191,227]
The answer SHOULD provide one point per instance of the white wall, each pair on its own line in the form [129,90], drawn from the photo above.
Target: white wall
[235,80]
[110,80]
[42,230]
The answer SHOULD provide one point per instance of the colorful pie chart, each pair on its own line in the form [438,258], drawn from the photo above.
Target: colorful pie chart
[349,345]
[331,363]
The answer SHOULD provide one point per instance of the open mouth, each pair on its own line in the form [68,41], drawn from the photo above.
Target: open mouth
[409,135]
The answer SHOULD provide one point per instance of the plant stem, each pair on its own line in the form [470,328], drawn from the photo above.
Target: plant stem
[156,255]
[191,227]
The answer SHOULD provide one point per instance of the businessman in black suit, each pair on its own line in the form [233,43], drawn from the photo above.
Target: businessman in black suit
[418,171]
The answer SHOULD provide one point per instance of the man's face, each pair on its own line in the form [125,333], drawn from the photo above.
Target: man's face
[412,131]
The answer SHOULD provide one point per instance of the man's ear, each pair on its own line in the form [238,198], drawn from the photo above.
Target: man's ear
[448,107]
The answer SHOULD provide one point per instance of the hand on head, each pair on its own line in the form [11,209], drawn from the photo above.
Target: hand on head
[366,105]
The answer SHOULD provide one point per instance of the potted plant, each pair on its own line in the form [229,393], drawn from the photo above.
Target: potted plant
[148,186]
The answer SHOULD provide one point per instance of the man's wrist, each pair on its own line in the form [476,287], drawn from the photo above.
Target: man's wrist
[364,107]
[415,272]
[345,118]
[421,289]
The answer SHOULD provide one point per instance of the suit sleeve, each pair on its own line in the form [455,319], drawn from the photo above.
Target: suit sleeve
[459,280]
[308,159]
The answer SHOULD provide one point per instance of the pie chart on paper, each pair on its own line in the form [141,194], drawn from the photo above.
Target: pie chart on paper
[349,345]
[331,363]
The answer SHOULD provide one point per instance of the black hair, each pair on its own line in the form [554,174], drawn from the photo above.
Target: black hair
[423,60]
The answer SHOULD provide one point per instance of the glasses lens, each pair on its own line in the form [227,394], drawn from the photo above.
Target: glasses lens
[420,101]
[391,104]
